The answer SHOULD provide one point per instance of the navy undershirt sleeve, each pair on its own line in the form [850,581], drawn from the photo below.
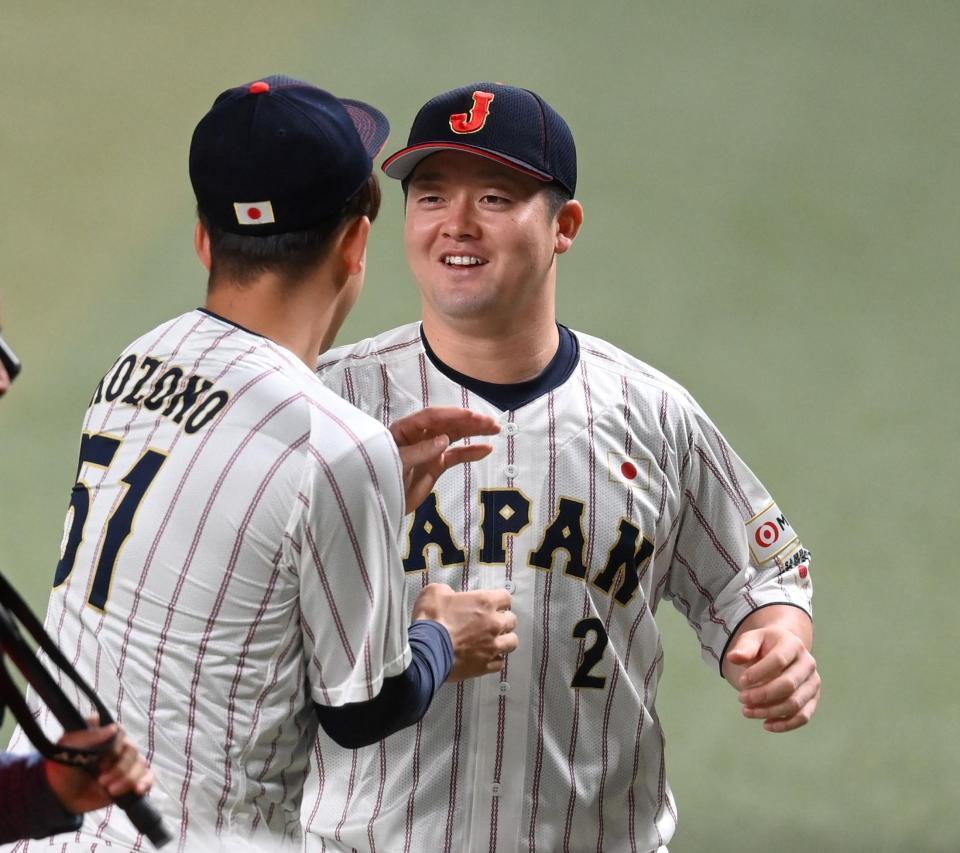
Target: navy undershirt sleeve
[403,699]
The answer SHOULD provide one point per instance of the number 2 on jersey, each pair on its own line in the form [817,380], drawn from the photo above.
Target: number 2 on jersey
[592,656]
[99,450]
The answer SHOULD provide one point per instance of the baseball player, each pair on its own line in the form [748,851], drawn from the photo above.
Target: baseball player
[230,574]
[609,490]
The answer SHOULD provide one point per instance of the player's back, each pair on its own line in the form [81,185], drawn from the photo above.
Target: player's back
[178,590]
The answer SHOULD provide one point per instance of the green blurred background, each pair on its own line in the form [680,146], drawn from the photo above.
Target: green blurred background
[771,192]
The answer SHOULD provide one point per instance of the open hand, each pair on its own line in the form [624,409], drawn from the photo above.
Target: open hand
[424,440]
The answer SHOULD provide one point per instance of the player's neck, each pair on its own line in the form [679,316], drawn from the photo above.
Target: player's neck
[496,354]
[298,318]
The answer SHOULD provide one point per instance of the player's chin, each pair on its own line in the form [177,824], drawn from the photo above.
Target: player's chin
[462,302]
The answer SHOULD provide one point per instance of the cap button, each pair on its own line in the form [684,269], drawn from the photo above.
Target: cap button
[259,87]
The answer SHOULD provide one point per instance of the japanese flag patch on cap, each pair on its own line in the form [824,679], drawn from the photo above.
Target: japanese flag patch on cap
[254,212]
[769,533]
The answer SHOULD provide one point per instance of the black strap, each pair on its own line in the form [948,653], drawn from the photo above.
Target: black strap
[140,811]
[23,657]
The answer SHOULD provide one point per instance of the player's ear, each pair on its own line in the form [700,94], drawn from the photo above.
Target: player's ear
[569,220]
[201,244]
[352,245]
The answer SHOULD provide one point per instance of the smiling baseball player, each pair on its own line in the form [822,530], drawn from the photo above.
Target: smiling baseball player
[609,490]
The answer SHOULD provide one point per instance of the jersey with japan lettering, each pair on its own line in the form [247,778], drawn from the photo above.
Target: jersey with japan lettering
[230,558]
[604,495]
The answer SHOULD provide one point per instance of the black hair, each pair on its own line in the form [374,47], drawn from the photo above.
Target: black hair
[241,258]
[557,197]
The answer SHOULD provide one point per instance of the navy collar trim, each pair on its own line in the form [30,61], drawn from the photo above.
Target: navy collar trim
[511,396]
[215,316]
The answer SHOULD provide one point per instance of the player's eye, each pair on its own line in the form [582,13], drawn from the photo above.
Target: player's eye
[495,200]
[429,199]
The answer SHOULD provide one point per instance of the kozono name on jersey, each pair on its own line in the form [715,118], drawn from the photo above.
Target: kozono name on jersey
[149,382]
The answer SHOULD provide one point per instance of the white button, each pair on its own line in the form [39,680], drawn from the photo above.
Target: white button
[495,789]
[504,688]
[511,471]
[510,587]
[510,428]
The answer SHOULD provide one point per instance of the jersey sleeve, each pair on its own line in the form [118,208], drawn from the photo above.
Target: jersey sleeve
[345,546]
[735,550]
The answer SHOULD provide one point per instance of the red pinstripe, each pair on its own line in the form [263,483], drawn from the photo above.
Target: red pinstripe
[707,462]
[245,648]
[615,676]
[292,647]
[424,580]
[592,512]
[725,452]
[466,534]
[345,518]
[711,534]
[382,749]
[346,802]
[318,755]
[504,673]
[545,654]
[323,365]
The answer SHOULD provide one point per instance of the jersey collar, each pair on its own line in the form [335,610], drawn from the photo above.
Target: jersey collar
[514,395]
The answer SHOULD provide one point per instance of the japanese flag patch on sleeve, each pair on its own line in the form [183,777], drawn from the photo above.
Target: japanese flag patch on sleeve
[769,533]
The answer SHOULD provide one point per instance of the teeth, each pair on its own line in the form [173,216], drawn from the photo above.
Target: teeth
[463,260]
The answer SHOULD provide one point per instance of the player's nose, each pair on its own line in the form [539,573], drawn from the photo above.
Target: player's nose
[459,222]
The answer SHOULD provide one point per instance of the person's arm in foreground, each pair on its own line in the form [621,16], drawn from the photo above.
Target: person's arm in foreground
[454,636]
[769,662]
[39,797]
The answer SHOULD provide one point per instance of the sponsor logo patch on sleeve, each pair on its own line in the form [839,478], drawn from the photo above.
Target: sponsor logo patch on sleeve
[769,533]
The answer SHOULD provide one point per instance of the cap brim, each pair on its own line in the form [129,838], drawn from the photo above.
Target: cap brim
[402,164]
[371,124]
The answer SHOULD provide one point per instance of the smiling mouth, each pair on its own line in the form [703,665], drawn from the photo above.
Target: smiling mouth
[463,261]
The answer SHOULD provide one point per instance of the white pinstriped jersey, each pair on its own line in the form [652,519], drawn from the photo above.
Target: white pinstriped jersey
[231,553]
[602,497]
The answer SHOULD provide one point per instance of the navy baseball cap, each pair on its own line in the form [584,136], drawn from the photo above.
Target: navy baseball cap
[512,126]
[279,155]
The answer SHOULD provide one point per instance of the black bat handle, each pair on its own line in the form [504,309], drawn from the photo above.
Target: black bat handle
[145,818]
